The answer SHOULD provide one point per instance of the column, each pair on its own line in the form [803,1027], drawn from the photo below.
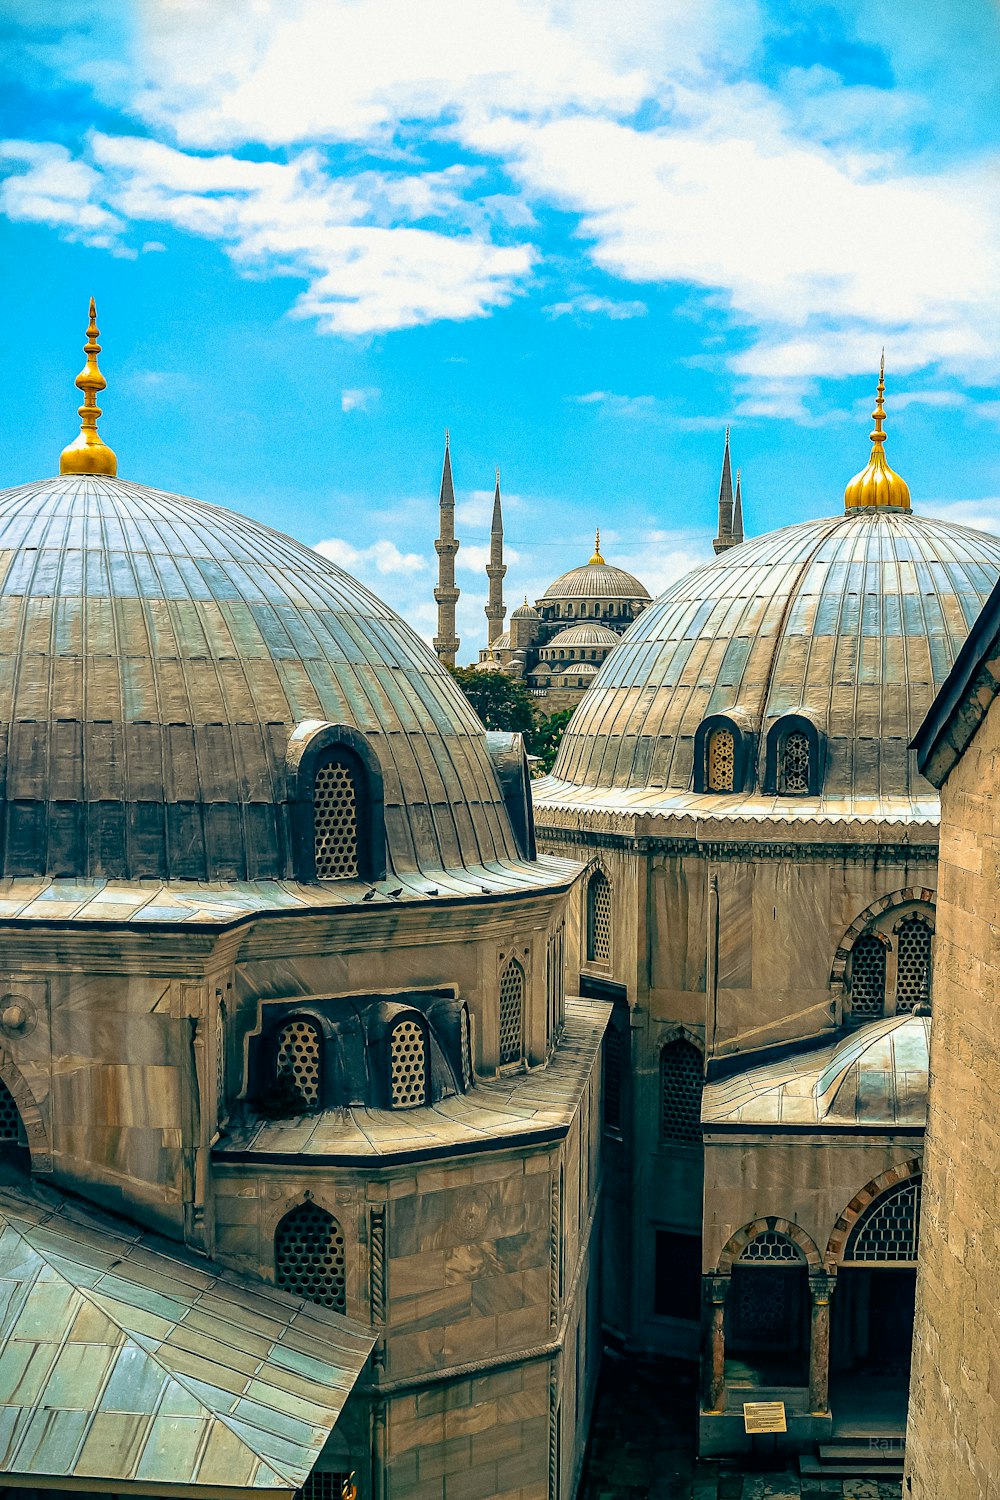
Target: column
[715,1394]
[821,1290]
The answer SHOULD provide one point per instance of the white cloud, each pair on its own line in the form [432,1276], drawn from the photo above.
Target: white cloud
[473,557]
[982,515]
[361,398]
[382,558]
[475,508]
[588,305]
[618,405]
[52,187]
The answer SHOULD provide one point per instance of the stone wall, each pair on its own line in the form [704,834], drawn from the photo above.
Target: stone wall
[953,1435]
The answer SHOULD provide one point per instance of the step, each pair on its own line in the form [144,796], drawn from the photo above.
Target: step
[859,1453]
[812,1468]
[869,1434]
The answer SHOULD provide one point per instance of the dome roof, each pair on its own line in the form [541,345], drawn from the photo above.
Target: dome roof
[852,621]
[156,654]
[596,580]
[877,1075]
[584,635]
[525,611]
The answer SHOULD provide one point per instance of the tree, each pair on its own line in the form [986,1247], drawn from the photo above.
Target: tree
[544,740]
[502,702]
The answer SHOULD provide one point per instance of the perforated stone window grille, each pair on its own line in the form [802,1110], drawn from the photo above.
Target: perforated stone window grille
[795,762]
[613,1078]
[599,918]
[721,760]
[11,1126]
[681,1083]
[770,1248]
[335,821]
[408,1063]
[764,1301]
[300,1059]
[511,1011]
[466,1049]
[889,1230]
[867,979]
[309,1258]
[913,962]
[323,1487]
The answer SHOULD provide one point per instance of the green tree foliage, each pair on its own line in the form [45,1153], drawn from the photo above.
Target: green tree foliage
[544,739]
[501,702]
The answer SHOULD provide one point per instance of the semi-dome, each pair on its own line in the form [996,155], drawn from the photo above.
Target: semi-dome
[845,626]
[157,656]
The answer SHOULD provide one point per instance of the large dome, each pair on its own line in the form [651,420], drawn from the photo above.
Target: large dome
[596,580]
[851,622]
[157,653]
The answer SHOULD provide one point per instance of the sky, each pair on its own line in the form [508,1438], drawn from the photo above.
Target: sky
[583,237]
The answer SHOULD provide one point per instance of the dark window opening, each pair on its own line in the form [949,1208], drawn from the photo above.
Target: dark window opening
[677,1282]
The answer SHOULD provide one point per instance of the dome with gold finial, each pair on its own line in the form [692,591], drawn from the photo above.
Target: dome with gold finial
[597,579]
[88,453]
[877,484]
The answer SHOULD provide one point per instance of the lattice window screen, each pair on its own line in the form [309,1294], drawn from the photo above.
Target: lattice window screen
[764,1304]
[11,1126]
[300,1059]
[309,1257]
[408,1062]
[913,962]
[599,918]
[795,762]
[335,821]
[511,1011]
[770,1247]
[613,1057]
[466,1049]
[681,1083]
[867,978]
[323,1487]
[721,760]
[890,1228]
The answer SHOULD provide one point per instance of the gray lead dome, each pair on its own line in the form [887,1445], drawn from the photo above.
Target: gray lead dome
[852,621]
[156,655]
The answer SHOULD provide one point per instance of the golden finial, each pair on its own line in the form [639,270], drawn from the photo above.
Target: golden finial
[597,558]
[877,484]
[88,453]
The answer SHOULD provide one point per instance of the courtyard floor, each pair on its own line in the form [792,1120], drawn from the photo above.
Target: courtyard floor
[642,1447]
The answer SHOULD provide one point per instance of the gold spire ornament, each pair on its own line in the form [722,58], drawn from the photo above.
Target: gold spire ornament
[877,484]
[597,558]
[88,453]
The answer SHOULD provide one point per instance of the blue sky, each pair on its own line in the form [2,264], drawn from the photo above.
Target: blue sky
[583,237]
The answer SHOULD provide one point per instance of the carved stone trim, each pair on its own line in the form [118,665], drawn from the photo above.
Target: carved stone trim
[871,914]
[793,1232]
[872,1190]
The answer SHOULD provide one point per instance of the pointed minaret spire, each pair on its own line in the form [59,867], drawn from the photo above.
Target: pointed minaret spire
[495,570]
[738,512]
[725,538]
[88,453]
[446,642]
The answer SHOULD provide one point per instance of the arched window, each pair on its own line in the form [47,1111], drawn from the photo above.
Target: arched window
[793,775]
[309,1258]
[408,1063]
[721,760]
[867,979]
[913,962]
[772,1248]
[889,1229]
[466,1049]
[511,1011]
[599,918]
[681,1082]
[11,1126]
[299,1058]
[613,1057]
[336,817]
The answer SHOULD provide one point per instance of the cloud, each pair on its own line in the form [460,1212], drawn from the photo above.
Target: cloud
[382,558]
[473,557]
[981,515]
[618,405]
[359,399]
[45,184]
[475,508]
[591,306]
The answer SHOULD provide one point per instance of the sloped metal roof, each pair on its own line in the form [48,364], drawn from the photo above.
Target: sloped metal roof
[156,654]
[124,1359]
[854,620]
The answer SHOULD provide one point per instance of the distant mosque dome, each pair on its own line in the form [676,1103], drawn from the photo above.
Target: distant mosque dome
[584,635]
[523,611]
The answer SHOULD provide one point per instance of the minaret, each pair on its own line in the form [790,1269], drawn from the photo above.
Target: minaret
[738,512]
[446,642]
[88,453]
[495,570]
[725,538]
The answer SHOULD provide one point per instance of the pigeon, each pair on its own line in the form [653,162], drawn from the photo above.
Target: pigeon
[369,895]
[397,892]
[432,891]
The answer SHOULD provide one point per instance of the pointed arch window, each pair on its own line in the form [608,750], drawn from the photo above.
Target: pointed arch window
[599,918]
[309,1256]
[11,1125]
[681,1083]
[299,1060]
[511,1012]
[889,1230]
[868,974]
[408,1064]
[913,963]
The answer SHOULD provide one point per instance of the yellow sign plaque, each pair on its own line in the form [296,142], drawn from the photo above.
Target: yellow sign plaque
[764,1416]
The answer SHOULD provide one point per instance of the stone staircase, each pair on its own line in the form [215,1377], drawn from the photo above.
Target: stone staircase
[857,1454]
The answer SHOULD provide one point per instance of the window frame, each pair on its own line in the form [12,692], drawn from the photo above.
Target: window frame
[402,1018]
[296,1209]
[310,747]
[774,749]
[743,747]
[512,1062]
[673,1142]
[599,873]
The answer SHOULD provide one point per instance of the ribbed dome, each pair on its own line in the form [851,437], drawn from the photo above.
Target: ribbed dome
[525,611]
[596,581]
[584,635]
[853,621]
[156,654]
